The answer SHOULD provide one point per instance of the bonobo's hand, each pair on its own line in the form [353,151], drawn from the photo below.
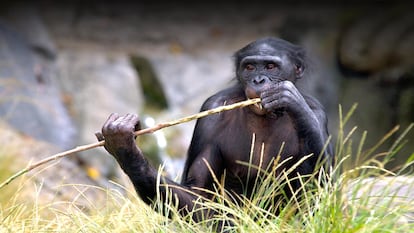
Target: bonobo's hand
[284,96]
[118,132]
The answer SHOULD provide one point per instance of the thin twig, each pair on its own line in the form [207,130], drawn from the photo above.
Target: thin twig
[139,132]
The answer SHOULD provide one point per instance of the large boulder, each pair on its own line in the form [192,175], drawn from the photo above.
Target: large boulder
[96,84]
[30,99]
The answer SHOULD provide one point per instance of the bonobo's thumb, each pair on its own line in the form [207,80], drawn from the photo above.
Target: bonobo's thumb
[99,136]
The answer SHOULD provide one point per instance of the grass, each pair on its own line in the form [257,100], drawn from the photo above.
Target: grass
[360,196]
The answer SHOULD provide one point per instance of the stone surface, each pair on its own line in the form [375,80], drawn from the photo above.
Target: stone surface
[97,84]
[30,97]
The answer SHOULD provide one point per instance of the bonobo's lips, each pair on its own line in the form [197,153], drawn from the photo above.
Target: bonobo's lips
[257,107]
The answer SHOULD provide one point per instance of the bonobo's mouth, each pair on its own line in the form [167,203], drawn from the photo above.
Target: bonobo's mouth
[257,107]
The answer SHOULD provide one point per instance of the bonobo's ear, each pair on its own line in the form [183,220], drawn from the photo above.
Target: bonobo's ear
[300,62]
[299,71]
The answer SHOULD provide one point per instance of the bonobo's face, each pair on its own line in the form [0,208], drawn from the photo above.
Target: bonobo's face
[260,71]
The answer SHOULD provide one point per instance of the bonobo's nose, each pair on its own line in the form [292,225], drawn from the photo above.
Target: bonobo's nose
[260,79]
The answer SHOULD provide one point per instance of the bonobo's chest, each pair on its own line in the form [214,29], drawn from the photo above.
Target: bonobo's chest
[257,141]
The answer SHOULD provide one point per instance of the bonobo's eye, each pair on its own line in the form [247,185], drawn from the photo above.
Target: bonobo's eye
[271,66]
[249,67]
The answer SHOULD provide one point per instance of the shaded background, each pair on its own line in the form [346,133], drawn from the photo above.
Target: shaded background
[65,67]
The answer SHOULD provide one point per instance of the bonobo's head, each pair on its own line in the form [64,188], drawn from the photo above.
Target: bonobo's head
[267,61]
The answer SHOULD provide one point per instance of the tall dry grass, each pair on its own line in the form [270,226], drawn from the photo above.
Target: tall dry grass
[358,195]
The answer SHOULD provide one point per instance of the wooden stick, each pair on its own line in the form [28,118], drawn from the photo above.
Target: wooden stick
[139,132]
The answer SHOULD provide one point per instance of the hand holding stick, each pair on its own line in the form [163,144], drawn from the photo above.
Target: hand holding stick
[140,132]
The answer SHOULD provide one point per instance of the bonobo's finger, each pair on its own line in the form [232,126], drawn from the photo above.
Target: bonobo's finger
[268,93]
[99,136]
[113,117]
[134,120]
[271,90]
[288,85]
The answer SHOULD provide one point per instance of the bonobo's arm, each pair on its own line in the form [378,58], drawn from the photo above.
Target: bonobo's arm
[306,112]
[204,158]
[118,132]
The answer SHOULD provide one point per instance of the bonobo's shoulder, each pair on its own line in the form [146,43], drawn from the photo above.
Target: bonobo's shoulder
[224,97]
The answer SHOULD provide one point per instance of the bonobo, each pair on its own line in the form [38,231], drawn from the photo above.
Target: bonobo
[288,123]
